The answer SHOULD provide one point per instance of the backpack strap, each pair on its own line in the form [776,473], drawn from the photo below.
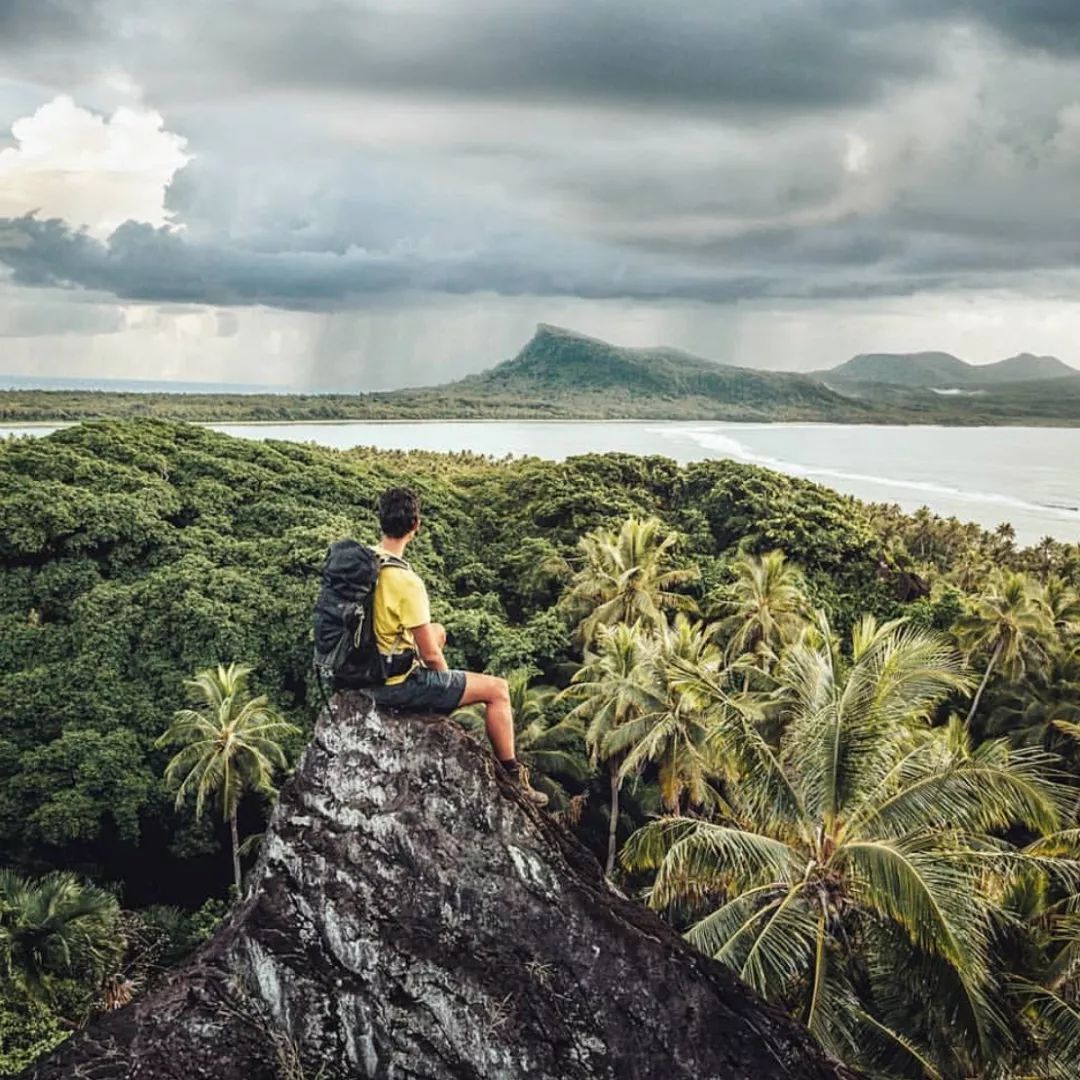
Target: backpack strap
[385,560]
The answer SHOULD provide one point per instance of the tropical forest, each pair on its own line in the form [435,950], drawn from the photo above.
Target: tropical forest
[834,745]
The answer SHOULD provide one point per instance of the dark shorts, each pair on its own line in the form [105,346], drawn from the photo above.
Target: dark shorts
[424,690]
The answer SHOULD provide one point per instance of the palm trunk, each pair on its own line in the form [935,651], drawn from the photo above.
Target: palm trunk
[994,656]
[235,853]
[613,767]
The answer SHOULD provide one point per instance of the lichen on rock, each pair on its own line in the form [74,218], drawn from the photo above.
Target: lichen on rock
[411,916]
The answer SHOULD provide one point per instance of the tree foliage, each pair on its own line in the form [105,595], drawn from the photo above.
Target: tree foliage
[860,848]
[230,744]
[55,928]
[816,808]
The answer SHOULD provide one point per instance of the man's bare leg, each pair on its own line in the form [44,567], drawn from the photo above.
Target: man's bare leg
[498,719]
[494,694]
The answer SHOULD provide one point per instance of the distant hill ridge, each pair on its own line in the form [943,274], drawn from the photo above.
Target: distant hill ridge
[557,362]
[943,370]
[561,374]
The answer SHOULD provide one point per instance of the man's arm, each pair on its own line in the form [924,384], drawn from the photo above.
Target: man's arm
[430,639]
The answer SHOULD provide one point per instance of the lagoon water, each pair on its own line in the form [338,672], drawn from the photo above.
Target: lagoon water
[1029,477]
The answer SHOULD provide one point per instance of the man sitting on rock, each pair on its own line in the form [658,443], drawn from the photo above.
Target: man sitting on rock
[402,624]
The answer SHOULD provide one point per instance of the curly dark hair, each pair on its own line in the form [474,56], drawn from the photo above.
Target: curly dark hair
[399,511]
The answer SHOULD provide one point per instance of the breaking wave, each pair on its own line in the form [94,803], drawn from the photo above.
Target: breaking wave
[725,446]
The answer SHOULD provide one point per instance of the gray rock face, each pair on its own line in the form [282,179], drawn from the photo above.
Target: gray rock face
[410,916]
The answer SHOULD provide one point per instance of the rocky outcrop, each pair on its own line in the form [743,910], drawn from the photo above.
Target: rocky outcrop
[410,916]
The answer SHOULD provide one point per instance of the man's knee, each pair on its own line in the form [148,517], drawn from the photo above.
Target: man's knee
[486,688]
[495,689]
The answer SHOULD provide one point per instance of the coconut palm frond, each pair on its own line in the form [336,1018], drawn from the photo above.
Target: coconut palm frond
[782,950]
[921,1057]
[732,926]
[966,794]
[250,845]
[627,577]
[699,856]
[765,790]
[934,899]
[1057,1020]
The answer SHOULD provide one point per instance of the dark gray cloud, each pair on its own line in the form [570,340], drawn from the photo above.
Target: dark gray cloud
[143,263]
[589,148]
[765,56]
[772,54]
[32,23]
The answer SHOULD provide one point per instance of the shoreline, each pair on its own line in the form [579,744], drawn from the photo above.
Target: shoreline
[1027,424]
[842,461]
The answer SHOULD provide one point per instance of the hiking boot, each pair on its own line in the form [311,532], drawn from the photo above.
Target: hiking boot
[537,798]
[520,777]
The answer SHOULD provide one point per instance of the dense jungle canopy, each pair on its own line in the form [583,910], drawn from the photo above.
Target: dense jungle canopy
[136,553]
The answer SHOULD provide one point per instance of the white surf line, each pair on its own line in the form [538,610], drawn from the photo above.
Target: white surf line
[726,446]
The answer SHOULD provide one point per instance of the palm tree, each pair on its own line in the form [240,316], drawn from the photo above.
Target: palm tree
[763,608]
[56,927]
[1028,712]
[924,528]
[1010,622]
[615,686]
[230,745]
[547,750]
[1031,713]
[1062,603]
[1037,948]
[972,568]
[1003,541]
[627,576]
[853,870]
[1044,554]
[674,733]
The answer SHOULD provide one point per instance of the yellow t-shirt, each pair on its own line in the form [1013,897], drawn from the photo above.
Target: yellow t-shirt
[401,602]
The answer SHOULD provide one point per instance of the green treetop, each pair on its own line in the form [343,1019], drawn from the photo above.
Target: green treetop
[230,745]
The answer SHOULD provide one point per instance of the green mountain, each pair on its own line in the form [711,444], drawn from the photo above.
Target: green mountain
[900,369]
[562,367]
[1025,367]
[941,370]
[560,374]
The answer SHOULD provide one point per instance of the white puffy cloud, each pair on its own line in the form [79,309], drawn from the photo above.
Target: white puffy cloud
[90,170]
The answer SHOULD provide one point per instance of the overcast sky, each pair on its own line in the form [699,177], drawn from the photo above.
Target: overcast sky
[370,193]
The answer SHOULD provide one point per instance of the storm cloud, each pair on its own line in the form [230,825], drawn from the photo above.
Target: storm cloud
[140,262]
[322,156]
[773,53]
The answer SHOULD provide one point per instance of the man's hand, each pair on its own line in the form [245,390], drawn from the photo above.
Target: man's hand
[430,639]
